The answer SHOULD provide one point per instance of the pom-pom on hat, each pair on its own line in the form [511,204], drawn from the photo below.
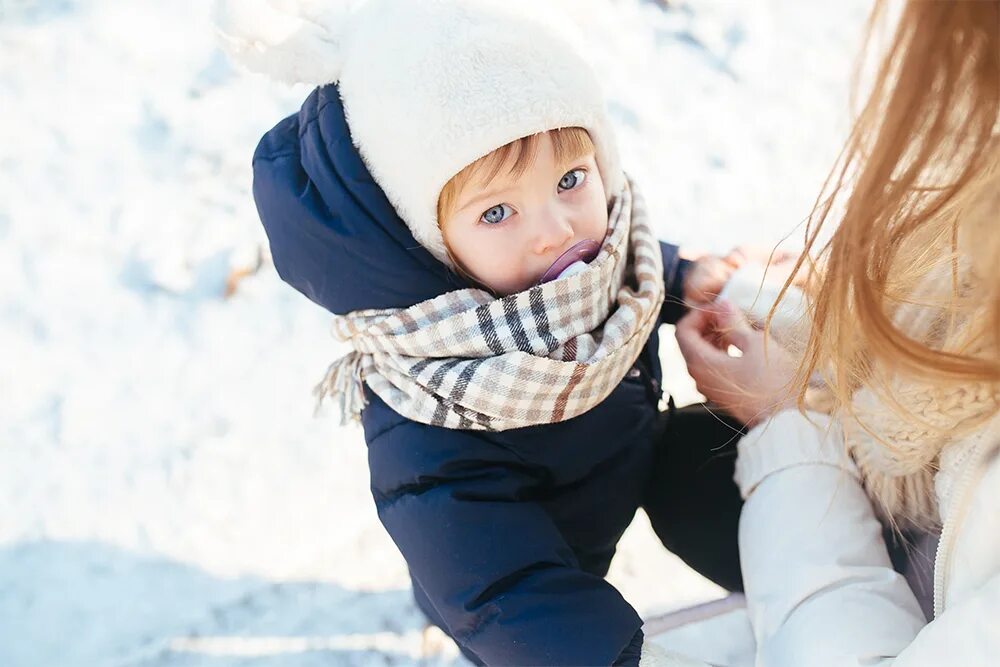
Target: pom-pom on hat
[430,86]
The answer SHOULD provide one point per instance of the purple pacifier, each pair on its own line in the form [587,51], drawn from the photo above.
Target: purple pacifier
[576,258]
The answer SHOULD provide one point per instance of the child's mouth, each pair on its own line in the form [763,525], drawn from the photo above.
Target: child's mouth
[576,257]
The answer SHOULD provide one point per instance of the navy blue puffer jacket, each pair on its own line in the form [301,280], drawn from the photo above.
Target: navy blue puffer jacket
[507,535]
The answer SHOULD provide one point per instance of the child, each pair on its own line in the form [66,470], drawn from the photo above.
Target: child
[456,200]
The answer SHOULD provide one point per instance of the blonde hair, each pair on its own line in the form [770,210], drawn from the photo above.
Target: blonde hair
[568,144]
[909,189]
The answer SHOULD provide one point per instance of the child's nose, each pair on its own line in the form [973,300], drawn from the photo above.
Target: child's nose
[554,231]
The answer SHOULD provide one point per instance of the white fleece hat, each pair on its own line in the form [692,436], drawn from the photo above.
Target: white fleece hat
[430,86]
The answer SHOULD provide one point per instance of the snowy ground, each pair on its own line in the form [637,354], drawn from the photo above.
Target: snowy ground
[166,497]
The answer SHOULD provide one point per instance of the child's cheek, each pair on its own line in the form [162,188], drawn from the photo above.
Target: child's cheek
[597,213]
[598,220]
[487,266]
[602,225]
[504,260]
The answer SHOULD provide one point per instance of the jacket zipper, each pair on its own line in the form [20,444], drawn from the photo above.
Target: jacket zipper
[967,477]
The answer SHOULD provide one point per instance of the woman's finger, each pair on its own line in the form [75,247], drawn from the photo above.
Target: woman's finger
[694,335]
[740,255]
[782,256]
[732,326]
[737,257]
[695,324]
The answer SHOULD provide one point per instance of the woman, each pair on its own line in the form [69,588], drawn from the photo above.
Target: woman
[905,311]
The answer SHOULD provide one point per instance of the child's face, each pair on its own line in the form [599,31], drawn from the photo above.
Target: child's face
[507,232]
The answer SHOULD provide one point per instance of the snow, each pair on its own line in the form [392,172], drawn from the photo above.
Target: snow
[166,496]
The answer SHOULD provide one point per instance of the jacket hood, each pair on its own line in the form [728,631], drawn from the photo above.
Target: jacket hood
[334,236]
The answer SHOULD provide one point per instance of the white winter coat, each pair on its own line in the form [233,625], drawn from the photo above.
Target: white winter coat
[819,585]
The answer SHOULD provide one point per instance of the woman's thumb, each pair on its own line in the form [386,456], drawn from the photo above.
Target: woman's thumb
[731,324]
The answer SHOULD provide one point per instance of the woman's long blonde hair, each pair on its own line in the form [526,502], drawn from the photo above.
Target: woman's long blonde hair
[922,154]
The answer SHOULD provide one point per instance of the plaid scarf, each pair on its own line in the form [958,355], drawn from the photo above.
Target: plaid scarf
[469,360]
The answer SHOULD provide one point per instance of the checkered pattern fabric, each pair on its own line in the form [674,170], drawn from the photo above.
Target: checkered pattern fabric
[469,360]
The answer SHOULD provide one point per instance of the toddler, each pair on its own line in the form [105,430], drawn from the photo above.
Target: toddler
[452,193]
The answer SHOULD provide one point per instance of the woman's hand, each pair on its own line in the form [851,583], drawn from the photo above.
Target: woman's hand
[710,273]
[750,387]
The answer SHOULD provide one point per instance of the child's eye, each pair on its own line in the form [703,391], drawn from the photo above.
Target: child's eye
[572,179]
[497,214]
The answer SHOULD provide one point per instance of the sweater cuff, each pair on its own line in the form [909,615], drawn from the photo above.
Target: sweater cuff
[654,655]
[789,439]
